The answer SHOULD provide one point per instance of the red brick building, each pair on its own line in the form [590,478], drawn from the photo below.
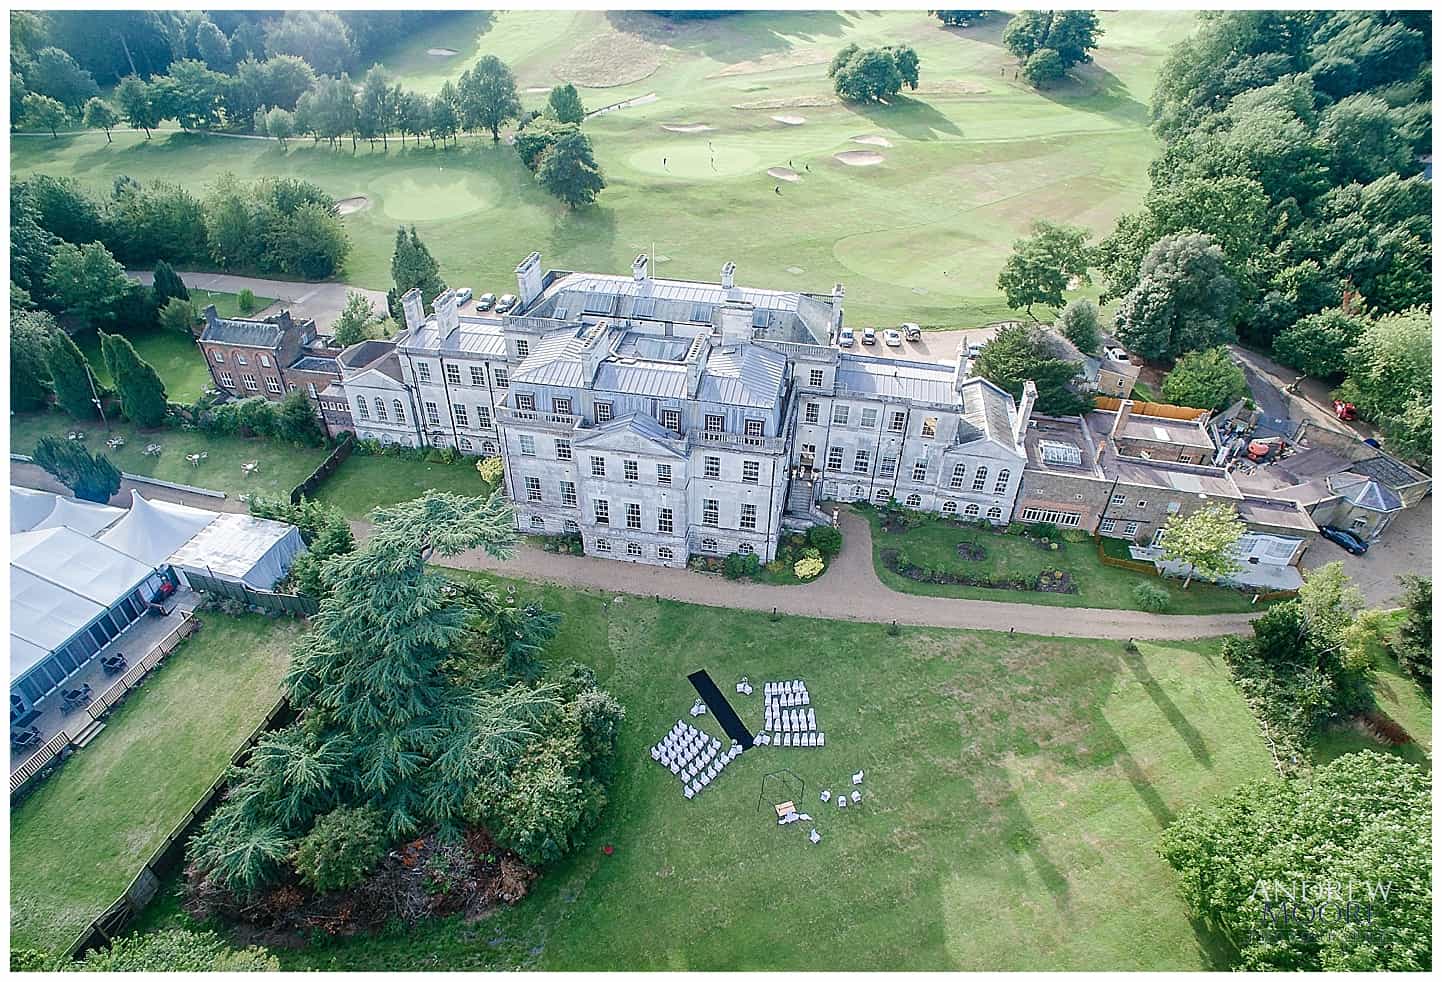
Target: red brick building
[268,357]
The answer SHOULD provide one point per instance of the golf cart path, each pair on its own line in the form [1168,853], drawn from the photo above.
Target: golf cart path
[849,590]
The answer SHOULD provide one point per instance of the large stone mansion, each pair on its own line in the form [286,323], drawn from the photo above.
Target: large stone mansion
[662,418]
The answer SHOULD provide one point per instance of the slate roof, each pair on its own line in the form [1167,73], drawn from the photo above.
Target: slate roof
[744,376]
[315,363]
[1391,472]
[637,424]
[892,378]
[244,333]
[473,337]
[1363,492]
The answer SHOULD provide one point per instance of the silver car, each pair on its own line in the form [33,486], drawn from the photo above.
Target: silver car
[504,304]
[892,338]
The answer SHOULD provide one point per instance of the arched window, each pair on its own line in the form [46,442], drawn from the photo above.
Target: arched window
[1001,481]
[571,526]
[400,411]
[994,514]
[972,511]
[380,409]
[978,483]
[708,545]
[665,554]
[538,523]
[913,501]
[949,508]
[633,549]
[746,549]
[360,404]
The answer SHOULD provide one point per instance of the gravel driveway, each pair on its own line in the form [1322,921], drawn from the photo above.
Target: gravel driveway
[322,301]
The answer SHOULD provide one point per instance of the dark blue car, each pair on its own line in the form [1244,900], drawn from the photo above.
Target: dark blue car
[1343,538]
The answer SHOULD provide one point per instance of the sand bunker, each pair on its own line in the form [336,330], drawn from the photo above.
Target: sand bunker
[442,52]
[784,174]
[349,206]
[795,270]
[872,141]
[859,158]
[790,120]
[687,127]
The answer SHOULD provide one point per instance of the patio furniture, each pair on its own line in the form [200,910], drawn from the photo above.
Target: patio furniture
[114,664]
[75,698]
[21,739]
[115,442]
[75,435]
[196,458]
[152,450]
[250,467]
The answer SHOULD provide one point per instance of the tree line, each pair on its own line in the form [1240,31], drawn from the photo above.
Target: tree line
[1287,208]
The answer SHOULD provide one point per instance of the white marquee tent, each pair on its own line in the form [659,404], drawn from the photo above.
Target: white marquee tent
[86,517]
[28,508]
[152,530]
[255,551]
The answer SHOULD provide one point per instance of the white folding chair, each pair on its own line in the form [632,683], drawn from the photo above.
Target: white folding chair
[855,797]
[689,793]
[675,767]
[655,753]
[841,801]
[821,739]
[815,837]
[825,796]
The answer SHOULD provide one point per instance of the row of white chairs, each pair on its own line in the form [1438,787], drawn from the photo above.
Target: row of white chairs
[788,699]
[784,688]
[700,780]
[791,719]
[683,744]
[783,739]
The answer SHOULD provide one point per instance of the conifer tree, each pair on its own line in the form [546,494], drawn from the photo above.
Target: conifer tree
[70,374]
[87,476]
[168,284]
[142,394]
[569,170]
[412,267]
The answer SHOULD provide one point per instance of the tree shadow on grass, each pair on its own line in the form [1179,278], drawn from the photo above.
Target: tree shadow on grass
[1092,89]
[911,118]
[741,37]
[1189,733]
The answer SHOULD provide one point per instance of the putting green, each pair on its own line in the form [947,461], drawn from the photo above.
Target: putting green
[430,194]
[691,158]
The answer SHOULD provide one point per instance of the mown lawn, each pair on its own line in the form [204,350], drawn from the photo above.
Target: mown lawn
[934,545]
[175,357]
[78,840]
[969,161]
[1014,790]
[362,482]
[282,466]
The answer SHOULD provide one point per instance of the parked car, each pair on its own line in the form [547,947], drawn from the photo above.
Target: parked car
[868,336]
[892,338]
[974,348]
[506,302]
[912,331]
[846,338]
[1353,544]
[486,301]
[464,294]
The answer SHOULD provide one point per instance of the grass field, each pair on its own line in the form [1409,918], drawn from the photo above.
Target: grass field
[934,544]
[362,483]
[1014,790]
[970,160]
[175,358]
[282,466]
[79,839]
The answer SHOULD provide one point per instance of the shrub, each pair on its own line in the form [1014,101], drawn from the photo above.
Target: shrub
[826,539]
[739,564]
[775,567]
[245,301]
[490,469]
[1152,597]
[1015,528]
[341,849]
[176,950]
[1074,535]
[809,568]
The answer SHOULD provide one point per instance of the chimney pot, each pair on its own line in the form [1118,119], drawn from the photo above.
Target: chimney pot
[414,308]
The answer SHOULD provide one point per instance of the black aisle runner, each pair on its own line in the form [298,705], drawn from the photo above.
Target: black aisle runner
[720,708]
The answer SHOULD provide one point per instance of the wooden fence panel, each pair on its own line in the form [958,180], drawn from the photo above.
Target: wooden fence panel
[326,468]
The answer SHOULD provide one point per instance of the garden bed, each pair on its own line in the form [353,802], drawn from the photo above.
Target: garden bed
[1048,580]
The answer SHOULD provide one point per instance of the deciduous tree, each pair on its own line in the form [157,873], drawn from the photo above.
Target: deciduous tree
[1413,646]
[1183,299]
[487,96]
[100,116]
[1020,353]
[46,113]
[568,170]
[564,104]
[1080,323]
[1042,265]
[1206,379]
[356,319]
[137,104]
[30,384]
[1206,540]
[87,281]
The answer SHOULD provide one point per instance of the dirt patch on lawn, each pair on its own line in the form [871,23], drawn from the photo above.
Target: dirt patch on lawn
[790,120]
[860,158]
[610,59]
[686,127]
[872,140]
[951,86]
[442,52]
[783,174]
[971,551]
[774,62]
[789,102]
[349,206]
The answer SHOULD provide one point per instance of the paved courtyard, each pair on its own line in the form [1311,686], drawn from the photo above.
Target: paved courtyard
[321,301]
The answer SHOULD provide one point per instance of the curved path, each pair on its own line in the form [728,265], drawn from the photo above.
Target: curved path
[849,590]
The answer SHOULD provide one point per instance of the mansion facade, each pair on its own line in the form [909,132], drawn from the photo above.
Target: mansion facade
[659,418]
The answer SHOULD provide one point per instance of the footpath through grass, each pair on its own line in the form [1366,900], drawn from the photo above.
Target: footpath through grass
[933,544]
[78,840]
[1014,790]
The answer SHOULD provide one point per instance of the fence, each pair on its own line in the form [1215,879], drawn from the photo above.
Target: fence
[142,479]
[1136,565]
[327,467]
[167,857]
[1159,409]
[56,746]
[279,603]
